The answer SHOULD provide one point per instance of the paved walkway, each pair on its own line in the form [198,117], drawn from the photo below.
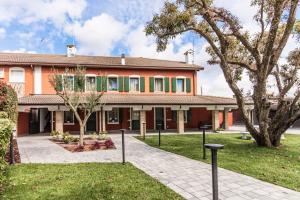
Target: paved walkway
[189,178]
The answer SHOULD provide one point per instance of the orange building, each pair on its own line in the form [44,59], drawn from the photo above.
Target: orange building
[139,94]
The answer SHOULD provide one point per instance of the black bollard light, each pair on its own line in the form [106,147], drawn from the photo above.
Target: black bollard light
[203,140]
[123,146]
[159,130]
[214,163]
[11,149]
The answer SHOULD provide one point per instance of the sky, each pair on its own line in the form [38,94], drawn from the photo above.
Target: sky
[110,28]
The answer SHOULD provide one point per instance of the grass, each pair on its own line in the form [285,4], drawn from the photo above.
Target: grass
[280,166]
[83,181]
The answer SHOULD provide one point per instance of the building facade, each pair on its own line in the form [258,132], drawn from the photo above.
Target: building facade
[140,94]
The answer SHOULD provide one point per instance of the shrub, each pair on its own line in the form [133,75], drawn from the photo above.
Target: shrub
[102,136]
[8,101]
[5,132]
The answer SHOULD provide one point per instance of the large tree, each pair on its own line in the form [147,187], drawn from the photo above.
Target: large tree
[70,86]
[238,51]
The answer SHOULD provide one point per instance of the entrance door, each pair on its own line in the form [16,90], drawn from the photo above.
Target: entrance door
[91,123]
[34,121]
[159,118]
[135,120]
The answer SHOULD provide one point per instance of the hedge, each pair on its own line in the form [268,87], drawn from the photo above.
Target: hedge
[6,127]
[8,101]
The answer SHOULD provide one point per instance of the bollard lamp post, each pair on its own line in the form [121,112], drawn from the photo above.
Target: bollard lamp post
[11,149]
[214,152]
[159,133]
[123,146]
[203,128]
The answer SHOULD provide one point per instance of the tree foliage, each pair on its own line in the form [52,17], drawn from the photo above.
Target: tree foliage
[74,95]
[239,51]
[8,101]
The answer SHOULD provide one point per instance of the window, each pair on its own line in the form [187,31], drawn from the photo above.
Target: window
[113,116]
[180,85]
[68,117]
[134,84]
[17,75]
[69,82]
[112,83]
[158,84]
[1,72]
[90,83]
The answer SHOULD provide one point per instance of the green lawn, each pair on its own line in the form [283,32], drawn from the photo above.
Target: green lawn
[280,166]
[83,181]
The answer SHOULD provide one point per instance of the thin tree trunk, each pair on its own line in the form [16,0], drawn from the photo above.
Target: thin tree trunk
[81,135]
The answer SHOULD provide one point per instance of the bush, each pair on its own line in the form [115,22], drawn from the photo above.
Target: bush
[6,127]
[68,138]
[8,101]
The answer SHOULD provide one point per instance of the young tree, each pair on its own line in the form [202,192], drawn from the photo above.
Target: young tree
[236,51]
[70,86]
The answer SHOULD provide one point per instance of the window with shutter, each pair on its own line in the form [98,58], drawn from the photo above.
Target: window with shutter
[173,84]
[167,84]
[126,84]
[188,85]
[121,85]
[151,84]
[142,84]
[99,84]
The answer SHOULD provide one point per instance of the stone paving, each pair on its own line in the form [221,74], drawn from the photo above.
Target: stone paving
[189,178]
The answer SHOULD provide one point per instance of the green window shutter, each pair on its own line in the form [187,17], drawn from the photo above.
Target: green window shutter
[188,85]
[173,84]
[99,83]
[142,84]
[121,85]
[58,86]
[167,84]
[151,84]
[104,83]
[79,84]
[126,84]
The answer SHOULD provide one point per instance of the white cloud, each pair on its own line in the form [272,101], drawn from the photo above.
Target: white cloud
[98,35]
[2,33]
[55,11]
[20,50]
[142,46]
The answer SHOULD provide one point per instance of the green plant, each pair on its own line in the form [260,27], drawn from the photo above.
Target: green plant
[6,127]
[102,136]
[220,129]
[8,101]
[94,136]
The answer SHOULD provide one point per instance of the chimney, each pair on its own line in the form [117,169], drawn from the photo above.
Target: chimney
[123,59]
[71,50]
[189,56]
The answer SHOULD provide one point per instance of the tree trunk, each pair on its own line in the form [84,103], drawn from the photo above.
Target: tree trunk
[81,135]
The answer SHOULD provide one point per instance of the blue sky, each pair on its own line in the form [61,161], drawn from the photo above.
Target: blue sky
[106,27]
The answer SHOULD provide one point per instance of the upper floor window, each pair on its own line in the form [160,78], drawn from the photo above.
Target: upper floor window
[90,83]
[180,84]
[1,72]
[69,82]
[16,75]
[134,84]
[112,83]
[158,84]
[68,117]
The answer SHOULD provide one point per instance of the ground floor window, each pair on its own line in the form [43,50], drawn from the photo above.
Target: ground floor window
[68,117]
[113,116]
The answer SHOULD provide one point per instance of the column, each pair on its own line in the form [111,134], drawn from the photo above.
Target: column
[226,122]
[59,121]
[100,121]
[215,120]
[143,122]
[180,121]
[103,121]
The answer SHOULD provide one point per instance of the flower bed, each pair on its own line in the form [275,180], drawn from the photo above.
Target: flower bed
[71,143]
[16,153]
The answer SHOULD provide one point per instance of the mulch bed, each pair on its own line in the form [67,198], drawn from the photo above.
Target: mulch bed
[89,145]
[16,153]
